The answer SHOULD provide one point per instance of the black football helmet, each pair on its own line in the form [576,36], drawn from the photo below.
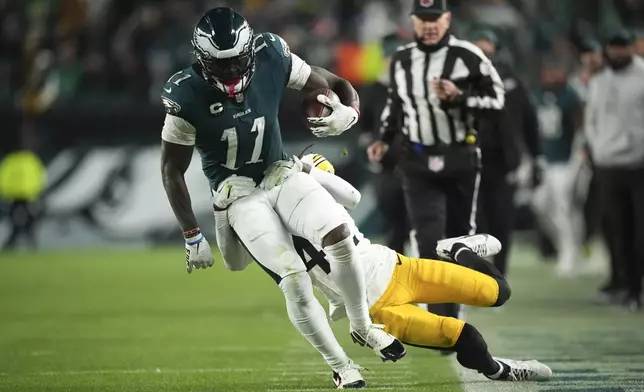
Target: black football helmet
[223,43]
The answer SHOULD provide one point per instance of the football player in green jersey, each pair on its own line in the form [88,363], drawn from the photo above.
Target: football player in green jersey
[225,105]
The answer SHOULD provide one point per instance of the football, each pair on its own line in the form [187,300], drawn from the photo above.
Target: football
[313,108]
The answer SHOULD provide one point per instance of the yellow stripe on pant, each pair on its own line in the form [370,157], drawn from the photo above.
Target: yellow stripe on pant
[430,281]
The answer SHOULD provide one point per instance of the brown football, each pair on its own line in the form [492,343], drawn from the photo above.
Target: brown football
[313,108]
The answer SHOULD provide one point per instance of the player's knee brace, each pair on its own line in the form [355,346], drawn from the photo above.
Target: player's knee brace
[297,287]
[504,292]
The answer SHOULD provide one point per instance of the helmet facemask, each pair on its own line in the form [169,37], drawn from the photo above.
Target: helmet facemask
[231,75]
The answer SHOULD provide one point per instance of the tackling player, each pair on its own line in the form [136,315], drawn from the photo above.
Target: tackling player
[396,282]
[225,105]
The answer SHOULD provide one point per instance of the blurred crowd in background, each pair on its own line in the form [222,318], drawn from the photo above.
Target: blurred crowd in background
[70,64]
[88,51]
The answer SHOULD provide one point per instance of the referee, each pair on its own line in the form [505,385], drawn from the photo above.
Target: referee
[440,87]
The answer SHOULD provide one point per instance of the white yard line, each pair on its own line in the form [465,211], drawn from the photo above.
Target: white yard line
[397,387]
[377,377]
[137,371]
[318,389]
[395,374]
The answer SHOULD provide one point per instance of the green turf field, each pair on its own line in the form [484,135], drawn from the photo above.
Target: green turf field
[135,321]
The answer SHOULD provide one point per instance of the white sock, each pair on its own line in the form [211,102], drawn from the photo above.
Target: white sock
[347,274]
[308,317]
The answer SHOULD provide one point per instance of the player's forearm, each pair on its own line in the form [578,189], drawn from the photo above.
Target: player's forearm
[175,160]
[347,94]
[179,198]
[343,192]
[321,78]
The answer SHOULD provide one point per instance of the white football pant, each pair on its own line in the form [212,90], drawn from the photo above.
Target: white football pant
[556,212]
[261,231]
[309,211]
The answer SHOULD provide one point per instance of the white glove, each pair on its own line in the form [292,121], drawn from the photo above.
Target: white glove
[198,253]
[341,118]
[231,189]
[279,172]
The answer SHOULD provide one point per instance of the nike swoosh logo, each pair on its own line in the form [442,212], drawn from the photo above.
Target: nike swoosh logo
[399,262]
[167,90]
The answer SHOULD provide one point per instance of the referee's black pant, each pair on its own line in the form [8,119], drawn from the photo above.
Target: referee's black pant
[623,214]
[440,207]
[495,214]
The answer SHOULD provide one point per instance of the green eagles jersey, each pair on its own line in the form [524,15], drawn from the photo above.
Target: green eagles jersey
[556,111]
[235,136]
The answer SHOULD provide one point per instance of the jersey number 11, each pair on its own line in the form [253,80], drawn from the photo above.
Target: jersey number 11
[230,136]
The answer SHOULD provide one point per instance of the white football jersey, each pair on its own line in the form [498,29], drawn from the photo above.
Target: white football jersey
[378,264]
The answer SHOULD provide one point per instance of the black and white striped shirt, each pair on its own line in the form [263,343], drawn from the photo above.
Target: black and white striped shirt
[413,106]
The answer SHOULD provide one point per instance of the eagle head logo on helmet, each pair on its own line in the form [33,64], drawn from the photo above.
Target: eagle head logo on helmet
[224,45]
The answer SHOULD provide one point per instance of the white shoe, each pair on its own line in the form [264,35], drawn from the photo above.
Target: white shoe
[483,245]
[526,370]
[348,377]
[385,345]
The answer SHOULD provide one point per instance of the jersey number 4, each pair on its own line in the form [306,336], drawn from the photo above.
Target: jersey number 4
[230,136]
[311,256]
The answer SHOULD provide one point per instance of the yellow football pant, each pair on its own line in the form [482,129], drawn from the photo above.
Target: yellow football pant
[430,281]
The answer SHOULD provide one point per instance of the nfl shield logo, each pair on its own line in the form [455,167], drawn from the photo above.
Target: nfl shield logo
[436,163]
[426,3]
